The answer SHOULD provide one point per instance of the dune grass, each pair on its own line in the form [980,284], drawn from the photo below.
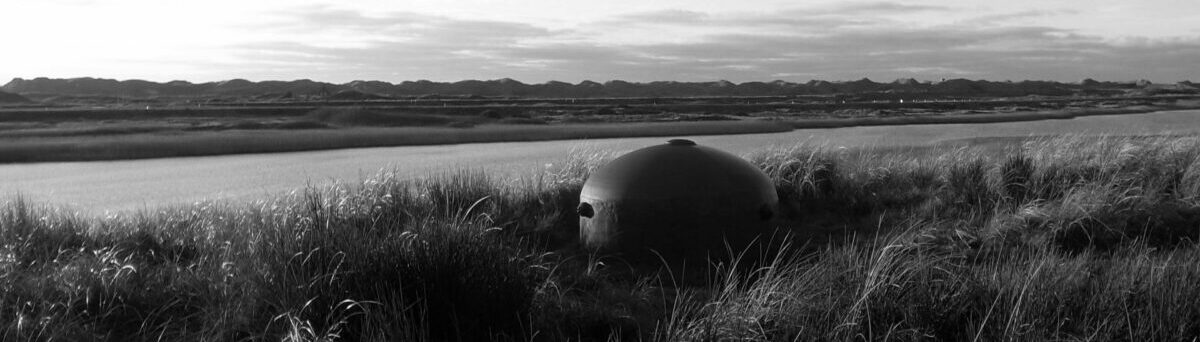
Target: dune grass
[1065,238]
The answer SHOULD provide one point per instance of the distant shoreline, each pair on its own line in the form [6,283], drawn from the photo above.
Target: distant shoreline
[979,118]
[211,143]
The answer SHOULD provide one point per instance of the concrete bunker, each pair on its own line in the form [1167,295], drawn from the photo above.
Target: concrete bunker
[678,200]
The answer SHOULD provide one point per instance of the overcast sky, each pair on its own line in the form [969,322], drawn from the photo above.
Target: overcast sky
[574,40]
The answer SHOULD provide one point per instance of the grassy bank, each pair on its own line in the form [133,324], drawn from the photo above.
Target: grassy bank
[979,118]
[178,135]
[1070,238]
[159,145]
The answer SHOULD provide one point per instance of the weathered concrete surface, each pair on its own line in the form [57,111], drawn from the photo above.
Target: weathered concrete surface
[679,201]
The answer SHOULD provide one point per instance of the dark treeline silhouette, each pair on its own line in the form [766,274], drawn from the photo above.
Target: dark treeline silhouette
[368,90]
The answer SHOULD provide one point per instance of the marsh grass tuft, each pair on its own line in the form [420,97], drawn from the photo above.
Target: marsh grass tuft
[1059,238]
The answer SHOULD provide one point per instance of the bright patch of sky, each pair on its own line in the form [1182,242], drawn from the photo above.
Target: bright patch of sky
[573,40]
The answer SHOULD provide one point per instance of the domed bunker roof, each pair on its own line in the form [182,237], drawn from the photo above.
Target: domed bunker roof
[677,199]
[677,169]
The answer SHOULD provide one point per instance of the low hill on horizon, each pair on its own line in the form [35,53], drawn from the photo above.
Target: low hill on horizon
[364,90]
[6,98]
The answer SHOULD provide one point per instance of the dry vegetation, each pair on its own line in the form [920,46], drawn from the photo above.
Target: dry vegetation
[159,145]
[1071,238]
[71,138]
[73,134]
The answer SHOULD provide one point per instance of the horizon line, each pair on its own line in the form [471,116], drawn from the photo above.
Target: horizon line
[922,81]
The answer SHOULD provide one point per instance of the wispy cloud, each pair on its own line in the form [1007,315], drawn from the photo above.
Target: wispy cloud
[572,40]
[670,16]
[838,42]
[877,7]
[1007,17]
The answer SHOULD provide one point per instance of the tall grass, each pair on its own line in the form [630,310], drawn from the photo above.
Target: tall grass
[1064,238]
